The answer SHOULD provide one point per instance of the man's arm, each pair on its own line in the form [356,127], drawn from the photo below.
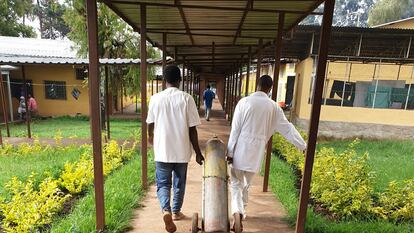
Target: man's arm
[236,127]
[288,130]
[151,134]
[196,147]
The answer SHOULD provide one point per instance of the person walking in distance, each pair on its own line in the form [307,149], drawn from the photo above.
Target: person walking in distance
[256,119]
[172,120]
[208,97]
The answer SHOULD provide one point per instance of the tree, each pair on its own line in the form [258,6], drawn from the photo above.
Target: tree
[12,18]
[390,10]
[116,39]
[50,15]
[346,13]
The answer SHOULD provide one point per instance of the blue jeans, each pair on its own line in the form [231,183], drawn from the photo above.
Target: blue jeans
[165,172]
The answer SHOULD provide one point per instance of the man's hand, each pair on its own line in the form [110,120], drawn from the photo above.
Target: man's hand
[199,159]
[229,160]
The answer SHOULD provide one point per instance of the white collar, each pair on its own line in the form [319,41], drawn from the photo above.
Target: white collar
[259,94]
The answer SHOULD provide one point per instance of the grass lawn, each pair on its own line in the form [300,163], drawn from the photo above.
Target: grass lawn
[74,127]
[282,180]
[391,160]
[123,192]
[22,166]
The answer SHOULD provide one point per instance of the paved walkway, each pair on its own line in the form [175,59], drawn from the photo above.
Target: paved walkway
[265,213]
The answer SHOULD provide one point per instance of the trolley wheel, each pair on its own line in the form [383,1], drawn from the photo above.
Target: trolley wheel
[237,223]
[194,226]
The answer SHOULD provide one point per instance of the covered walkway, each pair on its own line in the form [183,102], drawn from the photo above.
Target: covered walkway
[265,213]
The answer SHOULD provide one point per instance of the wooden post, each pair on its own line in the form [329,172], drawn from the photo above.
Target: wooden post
[315,114]
[94,107]
[3,103]
[278,54]
[164,57]
[248,71]
[108,128]
[143,54]
[259,61]
[29,133]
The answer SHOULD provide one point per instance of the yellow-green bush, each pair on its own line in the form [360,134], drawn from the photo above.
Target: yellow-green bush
[30,209]
[77,176]
[343,183]
[23,149]
[397,202]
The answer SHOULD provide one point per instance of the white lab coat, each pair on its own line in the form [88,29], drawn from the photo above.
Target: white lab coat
[256,119]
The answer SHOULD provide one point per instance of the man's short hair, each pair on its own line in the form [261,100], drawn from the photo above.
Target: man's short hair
[208,86]
[172,74]
[265,82]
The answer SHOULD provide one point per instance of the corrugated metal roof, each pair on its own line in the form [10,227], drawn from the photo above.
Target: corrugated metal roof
[33,47]
[230,24]
[70,61]
[394,22]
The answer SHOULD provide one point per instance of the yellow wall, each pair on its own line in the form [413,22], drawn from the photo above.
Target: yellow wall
[48,107]
[350,114]
[285,70]
[408,24]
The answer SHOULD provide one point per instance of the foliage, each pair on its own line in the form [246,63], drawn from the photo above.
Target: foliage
[29,208]
[77,176]
[346,13]
[385,11]
[397,202]
[30,205]
[282,182]
[12,12]
[115,40]
[123,193]
[343,184]
[50,16]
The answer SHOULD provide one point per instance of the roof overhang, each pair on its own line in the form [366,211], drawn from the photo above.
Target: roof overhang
[71,61]
[192,26]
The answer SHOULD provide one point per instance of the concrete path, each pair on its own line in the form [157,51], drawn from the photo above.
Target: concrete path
[265,213]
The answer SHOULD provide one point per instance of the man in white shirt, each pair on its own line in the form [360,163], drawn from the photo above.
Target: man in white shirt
[172,120]
[256,119]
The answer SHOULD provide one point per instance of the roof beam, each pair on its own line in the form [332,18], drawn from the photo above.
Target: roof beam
[187,28]
[210,34]
[212,29]
[249,5]
[214,7]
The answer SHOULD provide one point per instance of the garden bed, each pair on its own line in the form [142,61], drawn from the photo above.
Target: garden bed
[31,203]
[345,194]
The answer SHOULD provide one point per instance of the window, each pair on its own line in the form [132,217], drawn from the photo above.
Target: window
[55,90]
[80,73]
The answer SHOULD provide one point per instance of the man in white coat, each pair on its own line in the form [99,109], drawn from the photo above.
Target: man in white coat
[256,119]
